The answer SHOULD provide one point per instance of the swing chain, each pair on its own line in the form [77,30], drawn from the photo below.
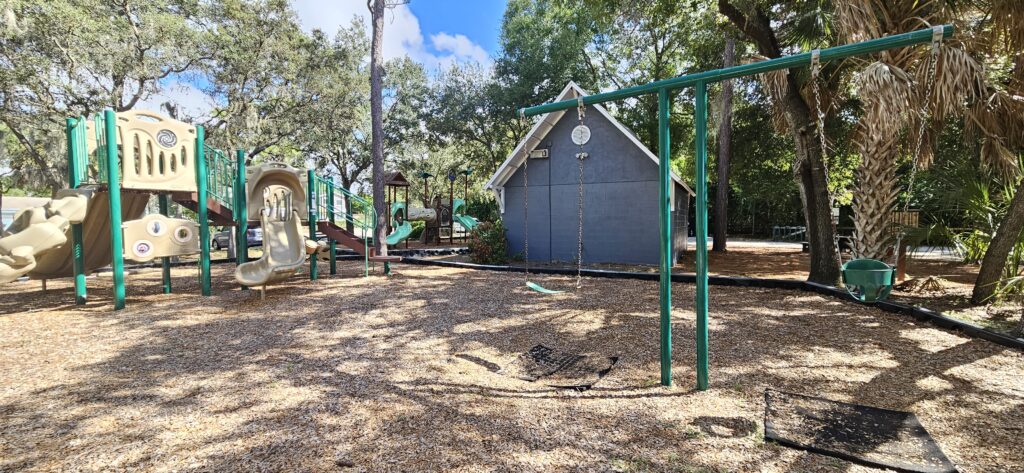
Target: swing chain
[526,202]
[581,112]
[815,72]
[925,117]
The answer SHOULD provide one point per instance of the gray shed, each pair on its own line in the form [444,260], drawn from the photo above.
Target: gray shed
[620,187]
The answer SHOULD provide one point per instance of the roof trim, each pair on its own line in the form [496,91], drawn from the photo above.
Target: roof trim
[540,130]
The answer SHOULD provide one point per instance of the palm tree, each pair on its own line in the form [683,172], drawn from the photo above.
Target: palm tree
[901,110]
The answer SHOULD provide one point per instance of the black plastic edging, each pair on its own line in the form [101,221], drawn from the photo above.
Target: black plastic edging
[918,313]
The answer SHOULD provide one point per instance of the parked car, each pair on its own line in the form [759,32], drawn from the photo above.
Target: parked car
[221,239]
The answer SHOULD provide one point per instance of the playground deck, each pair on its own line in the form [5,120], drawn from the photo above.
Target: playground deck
[354,374]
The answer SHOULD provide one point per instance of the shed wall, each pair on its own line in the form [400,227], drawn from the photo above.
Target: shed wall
[620,199]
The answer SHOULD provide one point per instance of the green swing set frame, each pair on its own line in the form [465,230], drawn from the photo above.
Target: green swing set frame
[700,81]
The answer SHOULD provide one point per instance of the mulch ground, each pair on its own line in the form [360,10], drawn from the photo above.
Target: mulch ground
[402,374]
[953,299]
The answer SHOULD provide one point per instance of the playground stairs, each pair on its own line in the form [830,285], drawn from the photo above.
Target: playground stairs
[353,242]
[218,213]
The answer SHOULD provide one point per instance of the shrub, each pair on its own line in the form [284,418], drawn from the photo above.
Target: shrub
[488,245]
[417,230]
[485,209]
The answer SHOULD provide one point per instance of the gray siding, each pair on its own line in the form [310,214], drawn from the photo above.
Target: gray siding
[620,199]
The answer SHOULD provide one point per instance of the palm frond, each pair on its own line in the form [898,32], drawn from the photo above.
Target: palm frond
[775,83]
[995,155]
[888,95]
[958,80]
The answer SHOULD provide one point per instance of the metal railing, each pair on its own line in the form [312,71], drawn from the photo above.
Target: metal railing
[362,215]
[220,176]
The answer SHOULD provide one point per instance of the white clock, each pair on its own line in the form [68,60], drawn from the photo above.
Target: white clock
[581,135]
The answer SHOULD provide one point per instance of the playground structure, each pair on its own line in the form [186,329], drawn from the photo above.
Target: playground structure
[118,161]
[700,82]
[439,217]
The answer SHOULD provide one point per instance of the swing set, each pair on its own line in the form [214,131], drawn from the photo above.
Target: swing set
[871,280]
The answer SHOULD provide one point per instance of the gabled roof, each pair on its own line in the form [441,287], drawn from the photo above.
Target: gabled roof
[541,129]
[395,178]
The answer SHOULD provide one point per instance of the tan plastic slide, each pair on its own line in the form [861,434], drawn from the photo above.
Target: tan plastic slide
[36,231]
[284,246]
[59,262]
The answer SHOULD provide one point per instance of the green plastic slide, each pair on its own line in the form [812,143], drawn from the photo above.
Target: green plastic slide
[400,234]
[468,222]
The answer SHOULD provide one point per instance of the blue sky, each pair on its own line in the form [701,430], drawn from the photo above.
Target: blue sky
[479,20]
[435,33]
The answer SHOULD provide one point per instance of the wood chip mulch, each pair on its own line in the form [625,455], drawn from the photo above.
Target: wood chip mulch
[399,374]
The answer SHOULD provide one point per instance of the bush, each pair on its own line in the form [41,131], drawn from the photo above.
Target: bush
[488,245]
[485,209]
[417,229]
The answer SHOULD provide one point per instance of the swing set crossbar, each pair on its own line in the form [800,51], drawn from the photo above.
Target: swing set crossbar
[700,81]
[717,75]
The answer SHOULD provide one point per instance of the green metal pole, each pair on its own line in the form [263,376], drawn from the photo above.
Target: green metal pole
[74,180]
[784,62]
[241,212]
[701,122]
[311,198]
[165,207]
[665,234]
[114,193]
[330,216]
[201,211]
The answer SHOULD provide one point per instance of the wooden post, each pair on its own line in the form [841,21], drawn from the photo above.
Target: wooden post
[901,264]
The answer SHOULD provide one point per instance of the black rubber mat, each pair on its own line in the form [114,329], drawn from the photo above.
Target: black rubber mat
[861,434]
[560,369]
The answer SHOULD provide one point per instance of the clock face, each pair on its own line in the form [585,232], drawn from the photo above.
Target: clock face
[581,135]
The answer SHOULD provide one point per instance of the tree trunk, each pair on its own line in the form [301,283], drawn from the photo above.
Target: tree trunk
[809,169]
[377,125]
[724,155]
[347,184]
[1019,331]
[876,193]
[999,249]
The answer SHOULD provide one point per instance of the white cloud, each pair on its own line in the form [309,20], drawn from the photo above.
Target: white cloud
[402,33]
[460,46]
[402,37]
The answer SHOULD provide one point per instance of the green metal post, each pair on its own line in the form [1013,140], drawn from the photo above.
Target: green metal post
[114,192]
[241,212]
[665,233]
[330,216]
[165,207]
[311,200]
[74,180]
[201,211]
[701,122]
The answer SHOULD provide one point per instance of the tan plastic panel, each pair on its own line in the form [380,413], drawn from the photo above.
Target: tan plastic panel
[58,263]
[36,231]
[259,178]
[157,152]
[156,236]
